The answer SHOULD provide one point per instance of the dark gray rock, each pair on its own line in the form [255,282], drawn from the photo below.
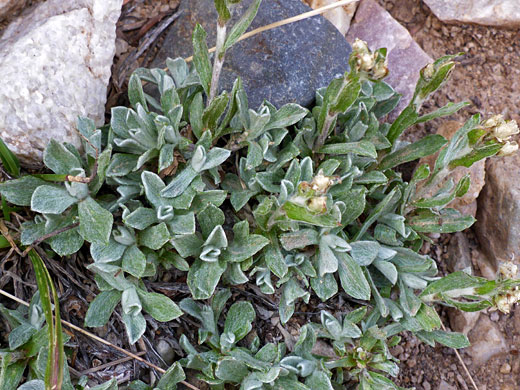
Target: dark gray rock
[283,65]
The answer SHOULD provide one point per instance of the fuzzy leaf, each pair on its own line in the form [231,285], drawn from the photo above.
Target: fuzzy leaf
[203,278]
[95,222]
[51,200]
[242,24]
[155,236]
[159,306]
[59,159]
[19,191]
[445,221]
[361,148]
[239,319]
[201,57]
[352,277]
[424,147]
[101,308]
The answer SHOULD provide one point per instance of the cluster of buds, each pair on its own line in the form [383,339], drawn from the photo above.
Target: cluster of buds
[316,191]
[373,65]
[505,302]
[502,131]
[508,270]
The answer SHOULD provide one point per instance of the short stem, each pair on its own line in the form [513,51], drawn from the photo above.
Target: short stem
[218,62]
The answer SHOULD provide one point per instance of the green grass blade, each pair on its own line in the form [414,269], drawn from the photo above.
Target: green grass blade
[9,160]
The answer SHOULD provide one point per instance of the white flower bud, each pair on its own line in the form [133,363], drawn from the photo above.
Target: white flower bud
[321,183]
[508,148]
[366,62]
[317,204]
[494,121]
[508,270]
[359,45]
[505,130]
[503,304]
[429,71]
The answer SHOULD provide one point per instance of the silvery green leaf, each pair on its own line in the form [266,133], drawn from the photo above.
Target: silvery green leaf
[203,278]
[107,281]
[95,222]
[274,260]
[145,157]
[122,164]
[244,245]
[155,236]
[171,377]
[59,159]
[196,112]
[179,70]
[159,306]
[364,252]
[352,278]
[395,310]
[215,157]
[255,155]
[298,365]
[166,156]
[387,269]
[242,25]
[319,380]
[287,115]
[327,261]
[130,301]
[234,274]
[450,339]
[182,224]
[217,238]
[134,261]
[381,305]
[214,111]
[201,57]
[299,239]
[20,335]
[331,324]
[325,287]
[19,191]
[141,218]
[135,91]
[210,218]
[374,177]
[35,384]
[31,232]
[302,214]
[187,244]
[444,221]
[103,162]
[239,319]
[51,200]
[379,210]
[231,370]
[66,243]
[101,308]
[291,292]
[135,326]
[179,183]
[361,148]
[124,235]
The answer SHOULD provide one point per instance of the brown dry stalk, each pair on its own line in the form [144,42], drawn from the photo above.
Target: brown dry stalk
[99,339]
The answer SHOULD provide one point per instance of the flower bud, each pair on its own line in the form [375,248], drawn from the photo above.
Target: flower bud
[428,71]
[505,130]
[508,148]
[321,183]
[317,204]
[508,270]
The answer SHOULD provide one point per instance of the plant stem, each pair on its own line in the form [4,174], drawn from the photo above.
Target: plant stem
[218,62]
[324,131]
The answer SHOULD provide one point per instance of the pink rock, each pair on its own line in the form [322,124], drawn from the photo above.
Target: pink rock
[378,28]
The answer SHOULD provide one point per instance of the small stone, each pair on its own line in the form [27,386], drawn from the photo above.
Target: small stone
[283,65]
[459,253]
[505,368]
[55,62]
[166,351]
[411,363]
[494,316]
[340,17]
[426,385]
[498,214]
[446,386]
[505,13]
[486,341]
[466,204]
[378,28]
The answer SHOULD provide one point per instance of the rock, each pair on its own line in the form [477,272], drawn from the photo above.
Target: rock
[505,368]
[286,64]
[165,350]
[340,17]
[498,214]
[504,13]
[459,253]
[446,386]
[483,264]
[378,28]
[55,64]
[8,7]
[486,341]
[466,204]
[461,321]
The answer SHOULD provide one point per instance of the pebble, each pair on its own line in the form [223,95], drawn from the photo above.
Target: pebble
[426,385]
[494,316]
[505,369]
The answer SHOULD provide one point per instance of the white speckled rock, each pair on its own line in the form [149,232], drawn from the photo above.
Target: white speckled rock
[7,7]
[55,64]
[504,13]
